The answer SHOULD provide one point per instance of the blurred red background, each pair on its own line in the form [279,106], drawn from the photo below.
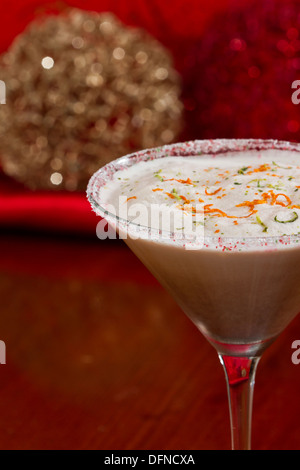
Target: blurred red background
[236,63]
[177,28]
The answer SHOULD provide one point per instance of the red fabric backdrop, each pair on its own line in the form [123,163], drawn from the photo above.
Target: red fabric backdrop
[177,27]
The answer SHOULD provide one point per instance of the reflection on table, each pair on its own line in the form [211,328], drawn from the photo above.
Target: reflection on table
[100,357]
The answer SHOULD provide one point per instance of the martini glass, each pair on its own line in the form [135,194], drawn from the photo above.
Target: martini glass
[240,292]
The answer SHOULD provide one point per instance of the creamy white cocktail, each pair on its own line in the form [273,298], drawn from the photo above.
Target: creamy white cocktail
[244,194]
[236,292]
[218,224]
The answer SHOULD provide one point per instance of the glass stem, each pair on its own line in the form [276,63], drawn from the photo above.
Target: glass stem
[240,378]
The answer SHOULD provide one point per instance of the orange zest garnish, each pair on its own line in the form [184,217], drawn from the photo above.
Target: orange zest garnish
[187,181]
[157,189]
[289,202]
[263,167]
[132,197]
[251,204]
[170,195]
[265,198]
[185,199]
[176,196]
[219,213]
[212,194]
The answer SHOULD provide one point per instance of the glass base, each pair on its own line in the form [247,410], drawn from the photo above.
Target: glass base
[241,350]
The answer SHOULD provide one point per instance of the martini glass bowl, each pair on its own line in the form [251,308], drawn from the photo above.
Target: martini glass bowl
[240,292]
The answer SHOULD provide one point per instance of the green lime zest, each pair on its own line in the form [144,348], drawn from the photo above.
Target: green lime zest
[283,167]
[175,194]
[241,171]
[294,217]
[260,222]
[157,175]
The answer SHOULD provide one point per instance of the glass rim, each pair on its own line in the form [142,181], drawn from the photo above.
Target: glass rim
[184,149]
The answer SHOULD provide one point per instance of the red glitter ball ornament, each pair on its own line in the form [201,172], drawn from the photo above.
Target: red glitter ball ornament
[238,78]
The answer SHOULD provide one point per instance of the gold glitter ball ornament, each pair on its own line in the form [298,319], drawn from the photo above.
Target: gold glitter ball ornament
[81,90]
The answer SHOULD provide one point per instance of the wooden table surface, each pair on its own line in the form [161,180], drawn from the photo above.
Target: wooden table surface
[100,357]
